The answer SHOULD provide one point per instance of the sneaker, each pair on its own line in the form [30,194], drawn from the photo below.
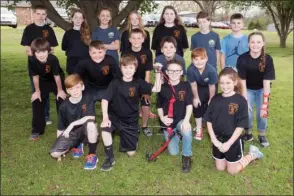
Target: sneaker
[263,141]
[247,137]
[147,131]
[108,164]
[199,135]
[78,152]
[254,151]
[48,121]
[91,162]
[34,137]
[186,164]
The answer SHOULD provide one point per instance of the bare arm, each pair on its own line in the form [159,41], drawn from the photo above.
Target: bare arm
[36,83]
[222,60]
[211,91]
[244,89]
[213,138]
[157,85]
[113,46]
[189,109]
[194,90]
[58,83]
[73,124]
[235,135]
[266,88]
[28,51]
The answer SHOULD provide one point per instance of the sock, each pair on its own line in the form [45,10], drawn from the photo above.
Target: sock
[109,151]
[245,161]
[92,148]
[198,124]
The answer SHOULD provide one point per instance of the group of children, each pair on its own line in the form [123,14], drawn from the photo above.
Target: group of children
[96,73]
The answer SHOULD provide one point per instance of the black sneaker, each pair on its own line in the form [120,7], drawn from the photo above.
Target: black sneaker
[147,131]
[248,137]
[186,164]
[263,141]
[108,163]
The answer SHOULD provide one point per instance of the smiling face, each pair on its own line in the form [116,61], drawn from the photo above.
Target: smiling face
[136,39]
[104,17]
[237,25]
[168,49]
[256,43]
[174,72]
[169,16]
[97,55]
[199,62]
[78,19]
[42,56]
[76,91]
[134,19]
[128,71]
[227,85]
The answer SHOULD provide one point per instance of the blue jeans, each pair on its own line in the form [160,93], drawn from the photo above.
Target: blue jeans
[173,146]
[256,97]
[47,101]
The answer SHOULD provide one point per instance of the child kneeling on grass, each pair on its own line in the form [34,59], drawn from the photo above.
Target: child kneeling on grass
[123,97]
[47,77]
[182,110]
[76,121]
[227,116]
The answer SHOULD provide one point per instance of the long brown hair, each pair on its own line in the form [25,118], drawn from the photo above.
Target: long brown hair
[108,9]
[233,75]
[85,29]
[177,19]
[141,26]
[262,56]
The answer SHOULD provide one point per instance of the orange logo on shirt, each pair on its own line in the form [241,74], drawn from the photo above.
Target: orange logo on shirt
[45,33]
[132,91]
[143,59]
[105,70]
[233,108]
[47,68]
[261,67]
[84,108]
[176,33]
[181,95]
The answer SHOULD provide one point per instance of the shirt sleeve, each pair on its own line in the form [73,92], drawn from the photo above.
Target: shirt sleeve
[190,75]
[242,116]
[241,68]
[185,43]
[269,69]
[217,45]
[223,46]
[25,38]
[64,43]
[147,40]
[93,35]
[55,66]
[116,34]
[213,78]
[155,40]
[52,40]
[193,42]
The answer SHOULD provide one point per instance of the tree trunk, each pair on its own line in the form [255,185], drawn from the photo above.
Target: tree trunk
[283,39]
[88,7]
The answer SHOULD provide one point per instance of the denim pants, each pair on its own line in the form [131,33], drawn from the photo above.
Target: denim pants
[173,146]
[255,97]
[47,101]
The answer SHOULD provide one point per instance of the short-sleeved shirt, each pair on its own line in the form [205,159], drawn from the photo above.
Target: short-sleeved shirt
[226,114]
[70,112]
[232,47]
[73,45]
[208,76]
[161,59]
[254,74]
[124,98]
[125,44]
[177,31]
[33,31]
[46,71]
[183,97]
[210,42]
[97,75]
[145,61]
[107,36]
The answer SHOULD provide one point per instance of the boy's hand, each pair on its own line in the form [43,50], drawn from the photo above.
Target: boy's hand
[67,130]
[225,147]
[167,121]
[28,51]
[196,102]
[106,123]
[186,126]
[36,95]
[146,98]
[61,94]
[157,67]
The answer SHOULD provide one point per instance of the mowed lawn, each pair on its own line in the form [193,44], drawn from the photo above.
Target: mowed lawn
[28,169]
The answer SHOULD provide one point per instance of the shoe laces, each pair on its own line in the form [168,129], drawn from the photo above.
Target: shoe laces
[263,138]
[76,150]
[90,158]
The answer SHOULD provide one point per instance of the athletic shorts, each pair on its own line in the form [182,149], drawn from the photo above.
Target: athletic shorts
[234,154]
[128,133]
[97,94]
[143,102]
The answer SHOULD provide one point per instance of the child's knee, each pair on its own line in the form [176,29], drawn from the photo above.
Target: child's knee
[232,170]
[56,154]
[131,153]
[92,132]
[221,167]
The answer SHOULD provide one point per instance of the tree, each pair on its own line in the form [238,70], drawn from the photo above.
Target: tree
[210,6]
[90,8]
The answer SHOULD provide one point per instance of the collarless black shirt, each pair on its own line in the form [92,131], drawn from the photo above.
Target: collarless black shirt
[183,99]
[249,70]
[97,75]
[177,31]
[145,61]
[33,31]
[226,114]
[70,112]
[124,98]
[73,45]
[46,71]
[126,45]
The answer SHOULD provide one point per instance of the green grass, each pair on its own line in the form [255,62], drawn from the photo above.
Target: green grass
[27,168]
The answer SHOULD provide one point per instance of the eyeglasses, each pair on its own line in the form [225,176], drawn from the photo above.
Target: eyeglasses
[173,71]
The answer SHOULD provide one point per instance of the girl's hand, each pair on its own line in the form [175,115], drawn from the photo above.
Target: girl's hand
[263,111]
[167,121]
[225,147]
[36,95]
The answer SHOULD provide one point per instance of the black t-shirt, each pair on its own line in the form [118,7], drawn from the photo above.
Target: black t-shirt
[69,112]
[249,70]
[73,45]
[126,45]
[145,61]
[124,98]
[33,31]
[97,75]
[183,97]
[46,71]
[177,31]
[226,114]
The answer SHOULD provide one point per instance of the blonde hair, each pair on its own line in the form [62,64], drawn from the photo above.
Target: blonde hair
[141,26]
[72,80]
[263,57]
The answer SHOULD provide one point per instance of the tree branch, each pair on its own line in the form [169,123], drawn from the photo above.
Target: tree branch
[89,9]
[199,4]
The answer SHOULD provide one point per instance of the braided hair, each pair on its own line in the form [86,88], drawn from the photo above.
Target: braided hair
[262,56]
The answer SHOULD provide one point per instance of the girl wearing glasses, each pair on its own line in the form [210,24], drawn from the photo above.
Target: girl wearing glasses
[202,78]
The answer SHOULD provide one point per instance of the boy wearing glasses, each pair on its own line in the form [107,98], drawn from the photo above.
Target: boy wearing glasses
[182,110]
[203,79]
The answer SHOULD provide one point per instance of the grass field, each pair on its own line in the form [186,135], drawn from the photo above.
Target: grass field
[28,169]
